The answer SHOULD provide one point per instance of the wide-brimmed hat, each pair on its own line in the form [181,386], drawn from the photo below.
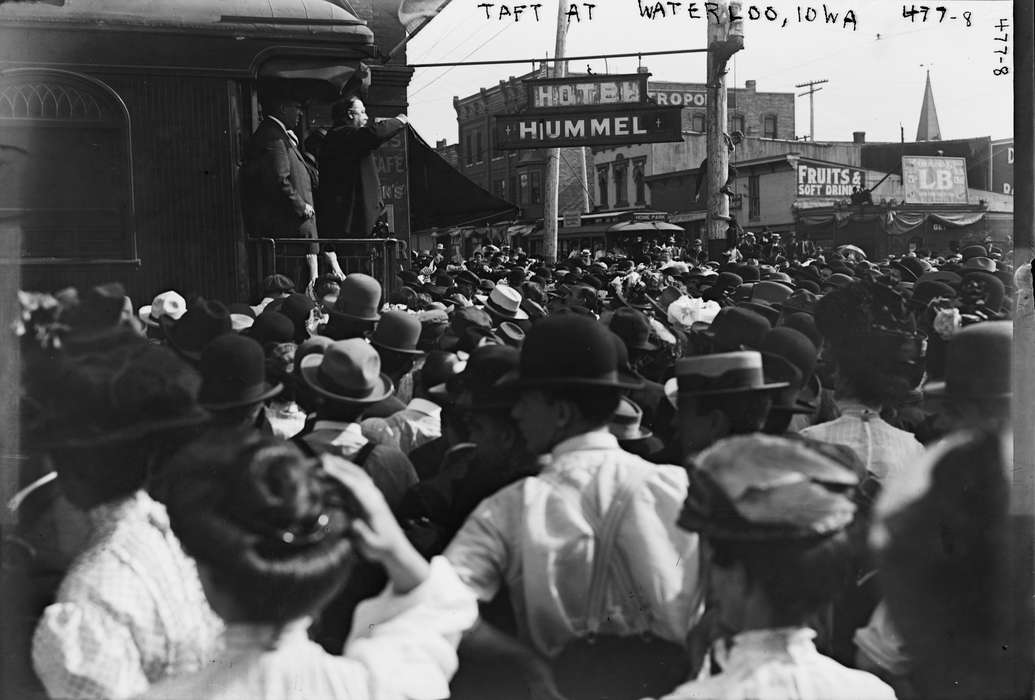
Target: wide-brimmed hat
[569,350]
[910,268]
[505,302]
[980,264]
[625,424]
[348,371]
[977,364]
[633,328]
[398,331]
[169,303]
[203,322]
[974,251]
[721,373]
[233,374]
[131,391]
[767,488]
[360,297]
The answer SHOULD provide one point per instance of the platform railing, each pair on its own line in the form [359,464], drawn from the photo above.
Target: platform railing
[378,257]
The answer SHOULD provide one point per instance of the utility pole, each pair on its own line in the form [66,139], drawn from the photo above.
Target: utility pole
[812,90]
[553,162]
[724,40]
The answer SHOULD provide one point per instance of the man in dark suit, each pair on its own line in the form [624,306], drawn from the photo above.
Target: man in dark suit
[277,185]
[350,196]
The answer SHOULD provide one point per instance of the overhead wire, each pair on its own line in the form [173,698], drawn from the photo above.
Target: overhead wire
[452,68]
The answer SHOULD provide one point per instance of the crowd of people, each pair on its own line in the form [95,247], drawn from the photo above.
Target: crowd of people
[602,478]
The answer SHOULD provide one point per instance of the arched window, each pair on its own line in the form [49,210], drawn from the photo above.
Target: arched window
[66,178]
[769,126]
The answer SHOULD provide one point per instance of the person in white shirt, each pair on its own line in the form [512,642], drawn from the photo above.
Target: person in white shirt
[602,583]
[275,535]
[774,517]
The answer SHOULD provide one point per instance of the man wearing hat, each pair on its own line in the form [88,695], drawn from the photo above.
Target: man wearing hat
[204,321]
[526,537]
[356,312]
[719,395]
[131,609]
[346,379]
[233,382]
[170,304]
[274,287]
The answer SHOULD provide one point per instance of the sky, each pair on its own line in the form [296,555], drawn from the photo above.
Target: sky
[876,66]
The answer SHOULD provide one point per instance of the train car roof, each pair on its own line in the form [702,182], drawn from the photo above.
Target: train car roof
[309,19]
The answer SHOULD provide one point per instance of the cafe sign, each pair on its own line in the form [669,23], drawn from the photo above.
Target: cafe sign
[934,179]
[614,126]
[828,181]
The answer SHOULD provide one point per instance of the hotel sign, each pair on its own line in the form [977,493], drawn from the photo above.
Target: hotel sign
[585,91]
[934,179]
[614,126]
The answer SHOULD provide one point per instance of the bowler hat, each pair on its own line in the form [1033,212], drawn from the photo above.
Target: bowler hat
[203,322]
[569,350]
[805,324]
[298,308]
[734,328]
[771,292]
[360,297]
[809,285]
[633,328]
[476,386]
[794,346]
[348,371]
[979,263]
[974,251]
[271,327]
[767,311]
[721,373]
[398,331]
[505,303]
[277,284]
[977,364]
[233,374]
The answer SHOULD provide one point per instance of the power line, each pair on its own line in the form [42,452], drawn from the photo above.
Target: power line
[637,54]
[453,66]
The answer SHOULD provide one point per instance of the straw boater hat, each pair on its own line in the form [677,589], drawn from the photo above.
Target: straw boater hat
[722,373]
[504,303]
[348,371]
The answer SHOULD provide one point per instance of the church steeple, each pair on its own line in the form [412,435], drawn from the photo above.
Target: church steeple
[927,129]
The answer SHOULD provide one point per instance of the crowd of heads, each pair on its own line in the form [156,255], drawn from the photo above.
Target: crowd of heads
[716,366]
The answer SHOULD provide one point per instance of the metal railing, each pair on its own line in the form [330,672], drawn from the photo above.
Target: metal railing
[378,257]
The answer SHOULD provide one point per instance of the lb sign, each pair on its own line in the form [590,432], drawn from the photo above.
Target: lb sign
[617,125]
[934,179]
[829,181]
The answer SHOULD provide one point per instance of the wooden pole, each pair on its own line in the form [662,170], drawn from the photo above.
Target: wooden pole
[553,162]
[722,43]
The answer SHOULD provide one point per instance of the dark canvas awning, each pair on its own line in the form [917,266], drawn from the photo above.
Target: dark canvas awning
[442,196]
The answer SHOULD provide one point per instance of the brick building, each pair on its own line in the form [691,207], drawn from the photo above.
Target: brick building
[517,176]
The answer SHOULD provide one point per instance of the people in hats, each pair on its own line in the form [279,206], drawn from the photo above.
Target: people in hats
[719,395]
[275,286]
[735,328]
[346,378]
[811,403]
[233,381]
[504,304]
[169,303]
[100,318]
[395,339]
[878,360]
[131,610]
[204,321]
[569,387]
[276,552]
[633,437]
[776,516]
[359,299]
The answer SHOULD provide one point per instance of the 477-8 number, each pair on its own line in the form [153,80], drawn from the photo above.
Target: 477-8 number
[910,12]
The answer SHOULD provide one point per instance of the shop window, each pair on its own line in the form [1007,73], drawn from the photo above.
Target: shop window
[602,183]
[754,203]
[536,189]
[737,123]
[697,122]
[769,126]
[71,132]
[524,189]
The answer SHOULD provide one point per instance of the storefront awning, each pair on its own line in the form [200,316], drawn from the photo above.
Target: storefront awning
[440,195]
[646,227]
